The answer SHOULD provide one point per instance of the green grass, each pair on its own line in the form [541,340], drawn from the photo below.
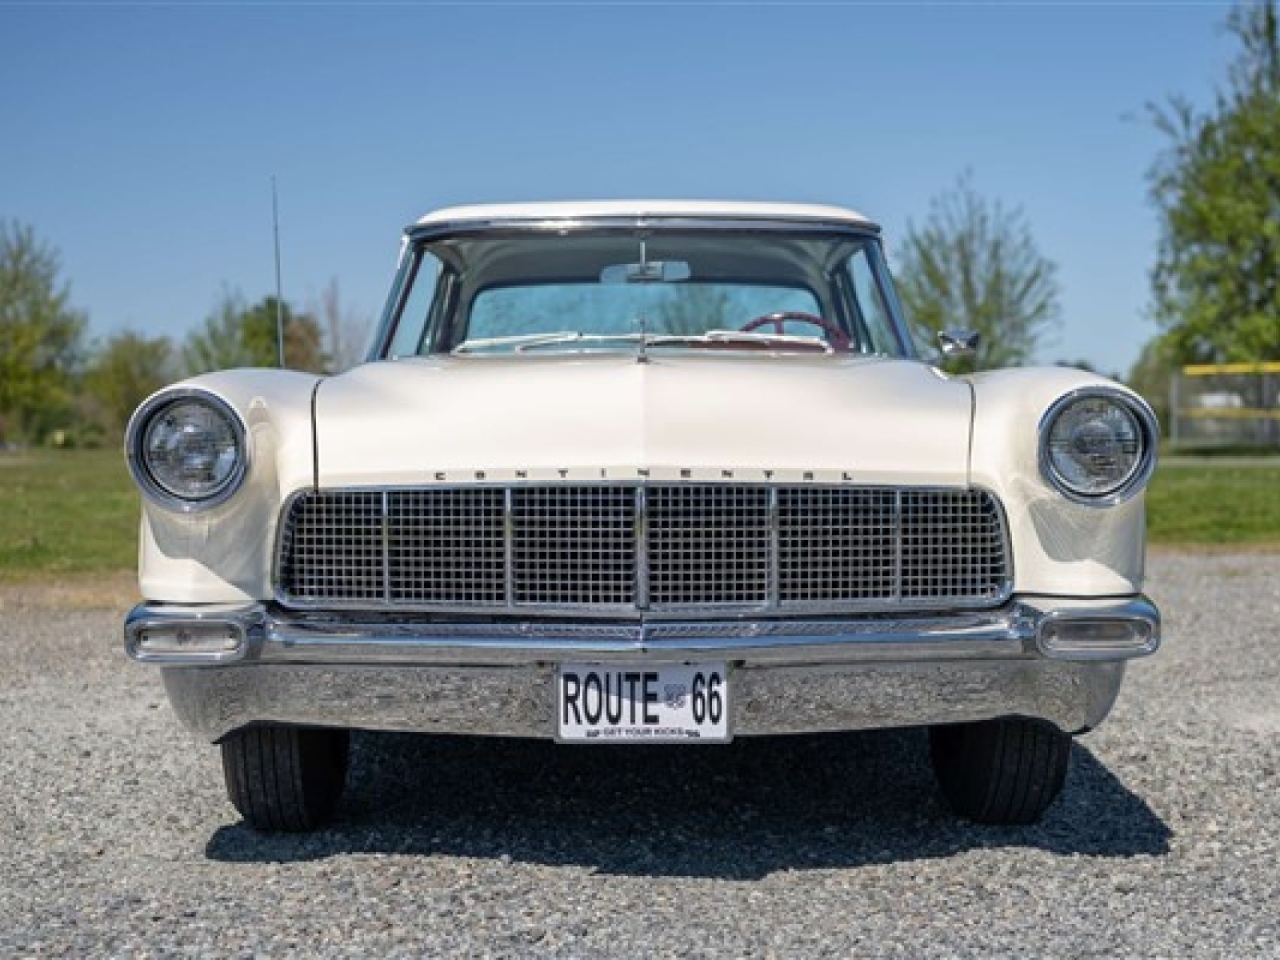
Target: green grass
[75,513]
[1218,451]
[1211,505]
[66,513]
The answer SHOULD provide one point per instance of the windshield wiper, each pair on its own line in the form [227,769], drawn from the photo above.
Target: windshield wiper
[556,339]
[752,337]
[536,341]
[470,346]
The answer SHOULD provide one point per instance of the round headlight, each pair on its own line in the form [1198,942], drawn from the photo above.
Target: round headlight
[1098,446]
[187,450]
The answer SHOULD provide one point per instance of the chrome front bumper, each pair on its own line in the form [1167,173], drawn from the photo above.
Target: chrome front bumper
[226,668]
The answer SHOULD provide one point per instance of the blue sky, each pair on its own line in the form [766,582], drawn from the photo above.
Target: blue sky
[140,139]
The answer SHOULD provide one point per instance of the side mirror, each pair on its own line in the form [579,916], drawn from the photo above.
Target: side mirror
[959,343]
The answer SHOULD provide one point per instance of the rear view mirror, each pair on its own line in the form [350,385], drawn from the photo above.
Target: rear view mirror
[651,271]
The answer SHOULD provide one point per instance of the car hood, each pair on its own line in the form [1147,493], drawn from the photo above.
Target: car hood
[591,417]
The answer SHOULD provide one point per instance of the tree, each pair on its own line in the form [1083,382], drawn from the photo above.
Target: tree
[40,336]
[1152,374]
[345,332]
[217,345]
[236,335]
[974,264]
[1216,281]
[123,372]
[693,308]
[1088,366]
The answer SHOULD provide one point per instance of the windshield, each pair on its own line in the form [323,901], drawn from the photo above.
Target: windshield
[585,290]
[666,308]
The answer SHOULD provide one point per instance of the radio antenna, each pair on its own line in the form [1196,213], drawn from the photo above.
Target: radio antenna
[275,226]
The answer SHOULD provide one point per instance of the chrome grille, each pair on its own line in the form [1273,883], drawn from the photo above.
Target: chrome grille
[950,544]
[573,546]
[332,548]
[447,548]
[661,548]
[708,545]
[837,544]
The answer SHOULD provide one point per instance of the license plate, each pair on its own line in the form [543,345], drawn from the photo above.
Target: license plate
[653,703]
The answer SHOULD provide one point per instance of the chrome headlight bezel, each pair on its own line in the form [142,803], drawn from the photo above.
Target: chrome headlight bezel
[140,468]
[1135,480]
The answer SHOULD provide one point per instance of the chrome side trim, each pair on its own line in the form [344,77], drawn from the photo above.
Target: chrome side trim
[424,233]
[897,544]
[773,575]
[643,570]
[1012,632]
[810,643]
[508,547]
[386,547]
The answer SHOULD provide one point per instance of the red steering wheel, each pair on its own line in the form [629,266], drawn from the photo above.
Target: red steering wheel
[839,339]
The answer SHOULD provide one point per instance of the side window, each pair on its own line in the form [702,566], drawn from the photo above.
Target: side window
[416,307]
[872,310]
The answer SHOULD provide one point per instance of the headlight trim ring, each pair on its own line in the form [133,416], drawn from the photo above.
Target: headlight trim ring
[144,477]
[1136,480]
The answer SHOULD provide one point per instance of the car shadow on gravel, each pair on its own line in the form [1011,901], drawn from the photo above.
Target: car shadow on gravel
[742,811]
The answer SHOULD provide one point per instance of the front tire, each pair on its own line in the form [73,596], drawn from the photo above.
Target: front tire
[285,778]
[1004,771]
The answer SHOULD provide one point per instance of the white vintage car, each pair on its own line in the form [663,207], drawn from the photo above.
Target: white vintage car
[638,472]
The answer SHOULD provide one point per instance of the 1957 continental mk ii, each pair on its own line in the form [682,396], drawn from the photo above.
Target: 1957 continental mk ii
[636,472]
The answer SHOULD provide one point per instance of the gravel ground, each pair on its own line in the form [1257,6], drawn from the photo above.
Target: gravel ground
[116,839]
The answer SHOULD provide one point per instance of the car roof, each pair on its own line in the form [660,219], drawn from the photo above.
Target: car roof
[477,214]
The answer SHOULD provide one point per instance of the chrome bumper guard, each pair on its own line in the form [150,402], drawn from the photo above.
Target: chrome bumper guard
[230,667]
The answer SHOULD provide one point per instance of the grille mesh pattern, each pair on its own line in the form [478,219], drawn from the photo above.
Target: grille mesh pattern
[952,545]
[658,547]
[447,548]
[574,546]
[708,545]
[332,548]
[837,544]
